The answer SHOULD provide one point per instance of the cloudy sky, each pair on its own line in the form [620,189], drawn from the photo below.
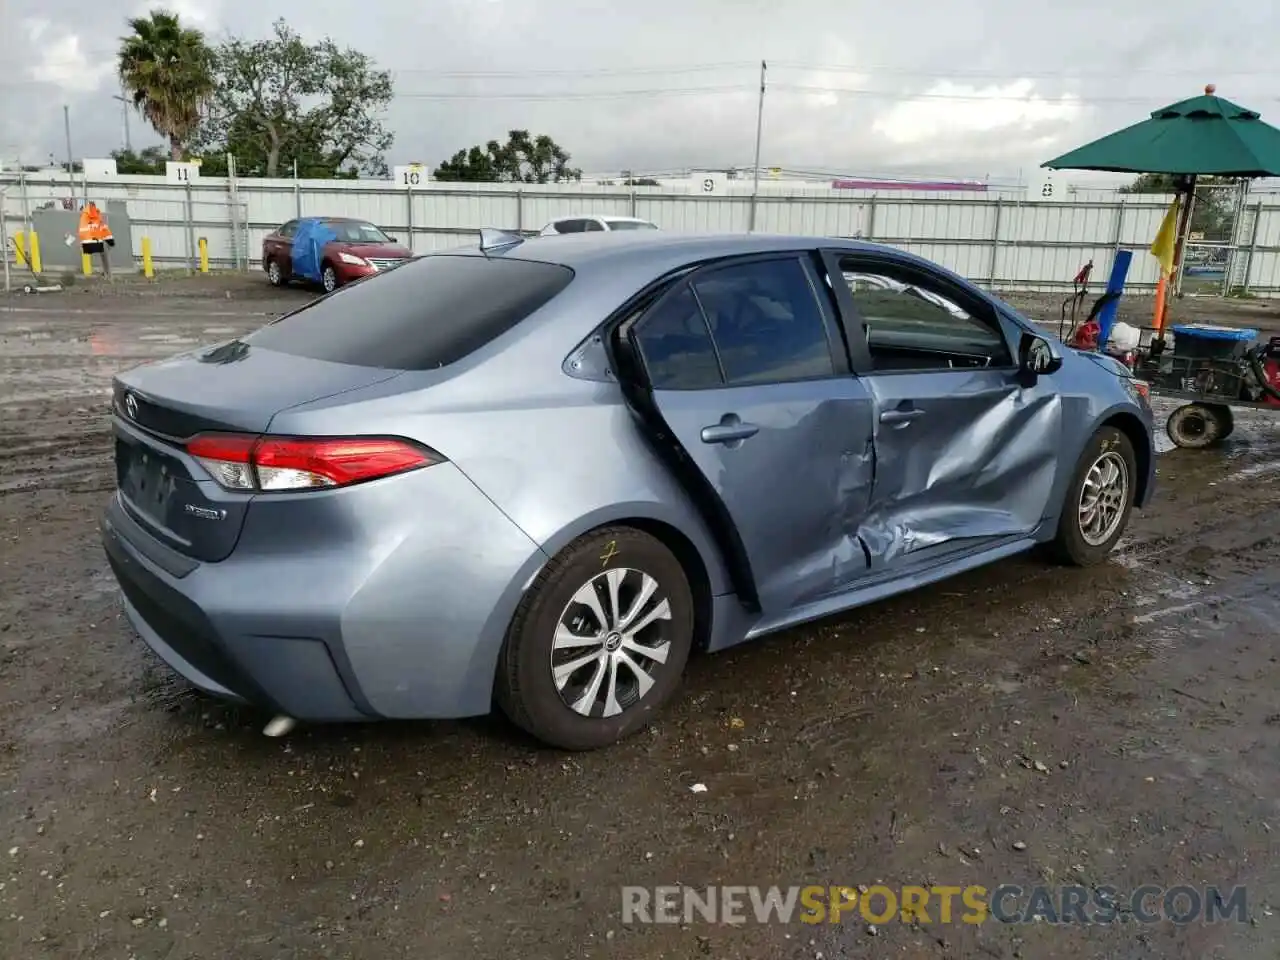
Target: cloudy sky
[919,87]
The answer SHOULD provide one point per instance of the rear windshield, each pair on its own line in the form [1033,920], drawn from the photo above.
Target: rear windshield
[424,314]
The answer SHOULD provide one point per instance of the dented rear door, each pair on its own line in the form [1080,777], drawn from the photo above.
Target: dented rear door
[752,400]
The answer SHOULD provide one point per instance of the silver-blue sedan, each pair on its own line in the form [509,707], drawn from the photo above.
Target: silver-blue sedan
[541,472]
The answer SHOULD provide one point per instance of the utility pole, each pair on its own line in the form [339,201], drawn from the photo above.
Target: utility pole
[124,113]
[755,184]
[66,123]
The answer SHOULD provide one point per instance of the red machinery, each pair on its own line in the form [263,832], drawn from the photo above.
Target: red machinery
[1269,362]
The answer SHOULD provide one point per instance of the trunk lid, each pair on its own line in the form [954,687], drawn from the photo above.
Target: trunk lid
[232,387]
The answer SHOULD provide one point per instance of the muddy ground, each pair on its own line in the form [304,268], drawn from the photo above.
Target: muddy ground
[1025,724]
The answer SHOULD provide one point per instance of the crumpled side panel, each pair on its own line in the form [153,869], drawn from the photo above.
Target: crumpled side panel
[979,463]
[796,490]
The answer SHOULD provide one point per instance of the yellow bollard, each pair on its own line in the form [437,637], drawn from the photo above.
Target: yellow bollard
[20,247]
[148,268]
[36,265]
[86,264]
[204,255]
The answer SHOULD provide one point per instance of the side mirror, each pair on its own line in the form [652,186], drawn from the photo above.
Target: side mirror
[1036,356]
[393,239]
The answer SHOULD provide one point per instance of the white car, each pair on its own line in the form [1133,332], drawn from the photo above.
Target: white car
[594,222]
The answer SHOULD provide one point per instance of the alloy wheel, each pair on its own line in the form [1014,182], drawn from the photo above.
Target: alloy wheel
[610,641]
[1103,498]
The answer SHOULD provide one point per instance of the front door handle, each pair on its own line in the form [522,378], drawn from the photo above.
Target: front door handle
[730,429]
[900,416]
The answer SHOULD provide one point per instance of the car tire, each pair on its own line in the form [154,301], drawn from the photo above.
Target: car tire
[275,273]
[1095,511]
[604,698]
[329,278]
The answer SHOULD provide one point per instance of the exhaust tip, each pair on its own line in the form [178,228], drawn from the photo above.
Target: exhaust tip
[279,726]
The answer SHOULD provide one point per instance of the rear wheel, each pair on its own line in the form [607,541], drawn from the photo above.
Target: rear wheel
[599,642]
[1096,510]
[329,278]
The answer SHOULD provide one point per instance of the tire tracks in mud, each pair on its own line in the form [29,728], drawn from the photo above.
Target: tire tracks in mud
[73,454]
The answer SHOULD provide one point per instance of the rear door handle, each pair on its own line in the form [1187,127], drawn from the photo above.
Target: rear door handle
[900,416]
[728,430]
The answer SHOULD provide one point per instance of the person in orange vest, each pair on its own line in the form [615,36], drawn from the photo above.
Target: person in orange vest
[94,234]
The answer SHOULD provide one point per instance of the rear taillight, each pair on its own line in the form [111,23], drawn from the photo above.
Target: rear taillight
[244,462]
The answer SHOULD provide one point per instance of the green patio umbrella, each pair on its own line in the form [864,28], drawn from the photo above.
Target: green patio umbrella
[1205,135]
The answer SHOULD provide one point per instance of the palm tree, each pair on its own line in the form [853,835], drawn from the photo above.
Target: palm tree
[165,70]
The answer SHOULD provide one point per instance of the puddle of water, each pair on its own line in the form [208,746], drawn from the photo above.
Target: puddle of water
[1257,470]
[166,338]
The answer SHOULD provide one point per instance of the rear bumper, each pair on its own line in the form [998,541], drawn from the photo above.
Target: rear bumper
[245,662]
[407,624]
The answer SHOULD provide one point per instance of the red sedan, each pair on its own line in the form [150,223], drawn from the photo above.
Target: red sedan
[330,251]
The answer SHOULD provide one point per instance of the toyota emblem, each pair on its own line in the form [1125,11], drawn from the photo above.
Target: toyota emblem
[131,406]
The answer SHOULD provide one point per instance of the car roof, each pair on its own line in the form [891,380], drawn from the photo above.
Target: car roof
[334,220]
[615,264]
[587,250]
[606,217]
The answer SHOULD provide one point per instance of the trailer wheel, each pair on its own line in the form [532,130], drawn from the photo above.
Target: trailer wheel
[1228,421]
[1199,425]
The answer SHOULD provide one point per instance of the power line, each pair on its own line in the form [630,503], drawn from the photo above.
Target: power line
[1045,98]
[584,73]
[575,95]
[1015,74]
[866,69]
[895,95]
[587,72]
[565,95]
[899,96]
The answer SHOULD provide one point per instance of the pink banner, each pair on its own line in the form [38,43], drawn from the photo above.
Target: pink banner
[972,186]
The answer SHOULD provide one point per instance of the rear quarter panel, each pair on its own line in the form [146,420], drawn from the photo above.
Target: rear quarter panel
[557,455]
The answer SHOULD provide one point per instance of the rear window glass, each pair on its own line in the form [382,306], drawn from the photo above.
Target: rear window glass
[631,225]
[427,313]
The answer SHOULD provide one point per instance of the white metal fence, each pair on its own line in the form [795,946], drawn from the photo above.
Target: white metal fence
[999,240]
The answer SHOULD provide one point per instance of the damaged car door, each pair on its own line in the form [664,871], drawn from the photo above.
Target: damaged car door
[746,368]
[966,449]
